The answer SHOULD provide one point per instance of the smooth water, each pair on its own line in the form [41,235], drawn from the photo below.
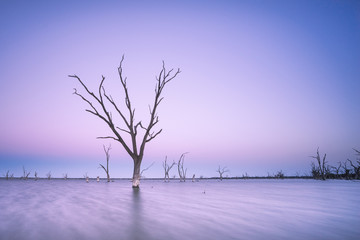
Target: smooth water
[208,209]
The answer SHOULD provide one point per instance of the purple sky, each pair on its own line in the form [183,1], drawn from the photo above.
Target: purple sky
[263,83]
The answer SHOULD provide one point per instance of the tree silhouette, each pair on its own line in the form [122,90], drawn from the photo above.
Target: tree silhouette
[221,171]
[106,169]
[100,109]
[322,170]
[167,169]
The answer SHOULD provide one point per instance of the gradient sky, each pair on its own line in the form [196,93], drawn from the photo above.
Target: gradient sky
[263,83]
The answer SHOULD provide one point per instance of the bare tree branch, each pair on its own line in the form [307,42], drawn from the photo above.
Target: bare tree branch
[145,169]
[107,150]
[109,137]
[152,136]
[124,130]
[98,107]
[181,171]
[167,169]
[322,169]
[221,171]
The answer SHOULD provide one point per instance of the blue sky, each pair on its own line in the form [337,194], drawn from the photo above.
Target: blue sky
[263,83]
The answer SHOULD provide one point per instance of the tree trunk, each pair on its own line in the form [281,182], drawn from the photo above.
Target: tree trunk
[136,173]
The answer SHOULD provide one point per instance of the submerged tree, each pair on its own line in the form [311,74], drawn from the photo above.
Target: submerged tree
[167,169]
[86,177]
[346,171]
[322,169]
[25,174]
[221,171]
[356,166]
[135,149]
[7,175]
[337,170]
[48,175]
[181,171]
[106,150]
[279,174]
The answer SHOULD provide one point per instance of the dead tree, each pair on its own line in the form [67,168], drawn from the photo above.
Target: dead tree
[7,175]
[107,150]
[25,174]
[36,175]
[135,149]
[221,171]
[181,171]
[321,169]
[145,169]
[346,171]
[337,170]
[48,175]
[86,177]
[356,166]
[167,168]
[280,175]
[65,176]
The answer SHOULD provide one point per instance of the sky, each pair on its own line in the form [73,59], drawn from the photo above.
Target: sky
[263,84]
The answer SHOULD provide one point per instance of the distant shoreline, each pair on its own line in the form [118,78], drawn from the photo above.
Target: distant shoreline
[172,179]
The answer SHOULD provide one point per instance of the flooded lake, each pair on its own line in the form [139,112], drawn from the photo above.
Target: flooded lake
[208,209]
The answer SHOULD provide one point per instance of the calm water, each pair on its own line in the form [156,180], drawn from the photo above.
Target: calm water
[209,209]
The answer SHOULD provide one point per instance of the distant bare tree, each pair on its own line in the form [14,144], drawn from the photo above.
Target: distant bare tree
[48,175]
[107,150]
[356,169]
[245,176]
[193,178]
[337,170]
[356,166]
[322,168]
[181,171]
[65,176]
[7,175]
[36,175]
[167,169]
[86,177]
[101,110]
[25,174]
[346,170]
[221,171]
[145,169]
[279,174]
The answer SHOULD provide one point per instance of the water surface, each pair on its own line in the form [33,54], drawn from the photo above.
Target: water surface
[208,209]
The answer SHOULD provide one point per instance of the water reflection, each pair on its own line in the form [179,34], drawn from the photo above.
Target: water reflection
[137,230]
